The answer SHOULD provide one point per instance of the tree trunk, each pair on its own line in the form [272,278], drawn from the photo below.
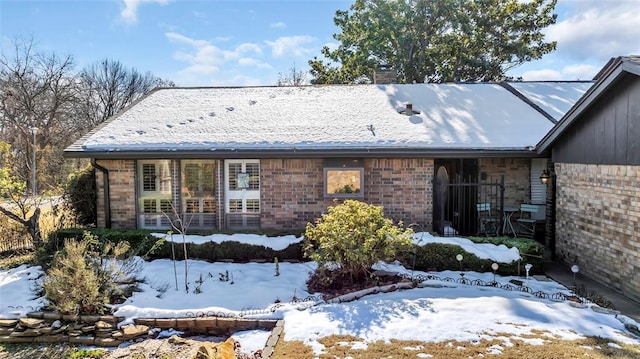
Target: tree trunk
[32,224]
[33,227]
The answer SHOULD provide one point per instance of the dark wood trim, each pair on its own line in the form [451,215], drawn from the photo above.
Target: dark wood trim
[307,153]
[607,77]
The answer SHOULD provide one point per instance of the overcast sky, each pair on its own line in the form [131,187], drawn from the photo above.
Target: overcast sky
[237,43]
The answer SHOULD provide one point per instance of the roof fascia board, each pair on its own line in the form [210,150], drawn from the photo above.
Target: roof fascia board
[631,67]
[369,153]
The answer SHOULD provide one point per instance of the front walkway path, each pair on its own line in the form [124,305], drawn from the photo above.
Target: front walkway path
[561,273]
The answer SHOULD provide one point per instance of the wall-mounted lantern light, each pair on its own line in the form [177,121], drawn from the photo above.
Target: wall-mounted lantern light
[544,177]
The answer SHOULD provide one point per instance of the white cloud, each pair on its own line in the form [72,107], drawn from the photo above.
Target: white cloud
[580,71]
[541,75]
[251,62]
[249,47]
[332,45]
[597,30]
[247,61]
[278,25]
[204,59]
[201,55]
[130,12]
[294,45]
[571,72]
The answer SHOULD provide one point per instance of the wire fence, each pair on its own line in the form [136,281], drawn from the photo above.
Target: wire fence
[578,294]
[15,244]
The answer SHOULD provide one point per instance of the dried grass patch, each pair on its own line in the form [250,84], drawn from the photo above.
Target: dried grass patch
[507,346]
[14,260]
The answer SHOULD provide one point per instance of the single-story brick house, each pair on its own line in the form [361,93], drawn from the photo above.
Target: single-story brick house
[595,150]
[276,157]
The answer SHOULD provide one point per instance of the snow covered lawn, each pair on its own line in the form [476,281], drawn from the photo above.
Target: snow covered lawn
[441,309]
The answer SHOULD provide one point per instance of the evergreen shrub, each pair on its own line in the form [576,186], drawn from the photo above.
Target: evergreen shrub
[80,195]
[353,236]
[440,256]
[140,242]
[87,275]
[143,243]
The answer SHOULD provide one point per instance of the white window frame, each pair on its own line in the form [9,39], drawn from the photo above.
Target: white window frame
[163,182]
[243,194]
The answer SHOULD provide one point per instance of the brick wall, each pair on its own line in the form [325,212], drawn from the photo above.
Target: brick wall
[292,190]
[598,222]
[403,187]
[122,193]
[516,177]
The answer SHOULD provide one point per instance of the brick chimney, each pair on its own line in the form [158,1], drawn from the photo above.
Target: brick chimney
[384,74]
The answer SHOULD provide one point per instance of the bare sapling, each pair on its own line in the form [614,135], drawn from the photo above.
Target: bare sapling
[181,226]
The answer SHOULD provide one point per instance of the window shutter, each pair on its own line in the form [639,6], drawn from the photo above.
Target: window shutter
[538,190]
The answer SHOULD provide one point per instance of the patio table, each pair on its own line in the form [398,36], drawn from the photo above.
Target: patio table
[507,213]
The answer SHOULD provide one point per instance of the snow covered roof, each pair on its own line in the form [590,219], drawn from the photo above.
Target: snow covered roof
[554,98]
[345,118]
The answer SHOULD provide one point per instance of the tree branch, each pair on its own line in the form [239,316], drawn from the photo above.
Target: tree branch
[13,216]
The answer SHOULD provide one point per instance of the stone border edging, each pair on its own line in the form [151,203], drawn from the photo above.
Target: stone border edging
[103,331]
[208,325]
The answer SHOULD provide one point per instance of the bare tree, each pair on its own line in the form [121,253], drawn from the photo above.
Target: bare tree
[109,86]
[37,93]
[294,77]
[42,91]
[180,224]
[15,205]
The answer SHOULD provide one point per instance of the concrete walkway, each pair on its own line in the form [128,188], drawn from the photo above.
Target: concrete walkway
[561,273]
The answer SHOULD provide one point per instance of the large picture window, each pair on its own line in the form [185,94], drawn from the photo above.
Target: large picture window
[344,178]
[183,188]
[198,192]
[198,178]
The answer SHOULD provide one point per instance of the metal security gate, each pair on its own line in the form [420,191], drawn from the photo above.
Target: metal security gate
[456,203]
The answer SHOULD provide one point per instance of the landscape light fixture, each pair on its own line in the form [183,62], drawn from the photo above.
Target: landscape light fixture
[459,258]
[545,176]
[527,268]
[495,267]
[575,269]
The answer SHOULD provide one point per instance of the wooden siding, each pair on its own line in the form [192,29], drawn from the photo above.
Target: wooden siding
[609,132]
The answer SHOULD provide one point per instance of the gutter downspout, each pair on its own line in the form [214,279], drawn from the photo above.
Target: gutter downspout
[107,204]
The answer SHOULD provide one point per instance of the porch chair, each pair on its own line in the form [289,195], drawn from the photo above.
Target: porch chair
[488,223]
[526,222]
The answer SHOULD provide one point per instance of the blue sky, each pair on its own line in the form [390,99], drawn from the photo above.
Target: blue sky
[238,43]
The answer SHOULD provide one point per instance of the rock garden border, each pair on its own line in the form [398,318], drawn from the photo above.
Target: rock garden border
[103,331]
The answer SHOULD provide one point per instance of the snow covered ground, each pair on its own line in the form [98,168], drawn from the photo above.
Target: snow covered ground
[443,308]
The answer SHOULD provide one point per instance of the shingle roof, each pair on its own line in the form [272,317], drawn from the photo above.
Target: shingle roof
[323,118]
